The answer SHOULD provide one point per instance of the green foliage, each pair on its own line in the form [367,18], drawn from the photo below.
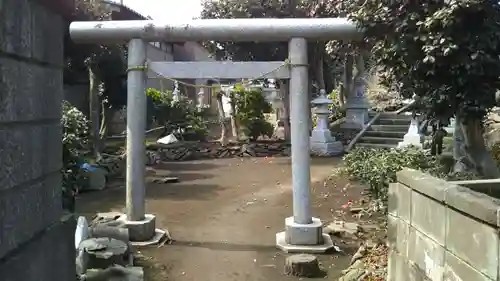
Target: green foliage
[250,107]
[495,151]
[446,52]
[75,145]
[378,167]
[182,118]
[108,62]
[337,112]
[277,51]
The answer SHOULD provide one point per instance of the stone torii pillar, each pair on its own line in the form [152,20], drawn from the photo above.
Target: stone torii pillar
[303,233]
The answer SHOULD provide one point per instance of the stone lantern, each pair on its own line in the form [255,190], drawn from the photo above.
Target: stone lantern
[322,142]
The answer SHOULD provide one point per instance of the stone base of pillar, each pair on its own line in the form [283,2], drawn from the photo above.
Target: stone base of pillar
[303,238]
[143,232]
[356,118]
[411,139]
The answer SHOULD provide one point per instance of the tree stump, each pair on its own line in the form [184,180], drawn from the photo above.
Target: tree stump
[302,265]
[104,252]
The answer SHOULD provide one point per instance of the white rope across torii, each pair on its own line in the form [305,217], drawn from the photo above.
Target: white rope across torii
[303,232]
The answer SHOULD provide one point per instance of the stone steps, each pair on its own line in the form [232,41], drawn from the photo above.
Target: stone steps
[381,140]
[387,131]
[391,128]
[394,121]
[388,115]
[385,134]
[375,145]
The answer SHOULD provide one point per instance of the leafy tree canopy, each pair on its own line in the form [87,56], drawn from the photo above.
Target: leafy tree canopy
[268,51]
[444,51]
[106,61]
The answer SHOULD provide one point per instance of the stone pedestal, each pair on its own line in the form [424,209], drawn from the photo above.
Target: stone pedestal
[143,232]
[303,238]
[413,137]
[322,142]
[356,117]
[357,107]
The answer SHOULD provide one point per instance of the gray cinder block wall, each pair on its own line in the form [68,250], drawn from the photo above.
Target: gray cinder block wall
[36,238]
[440,231]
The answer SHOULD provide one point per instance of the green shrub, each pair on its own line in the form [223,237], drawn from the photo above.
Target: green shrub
[495,151]
[337,111]
[378,167]
[75,145]
[251,106]
[182,118]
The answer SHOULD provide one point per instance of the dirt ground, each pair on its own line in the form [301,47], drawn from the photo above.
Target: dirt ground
[224,214]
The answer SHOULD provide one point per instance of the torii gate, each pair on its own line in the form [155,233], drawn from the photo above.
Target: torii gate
[303,233]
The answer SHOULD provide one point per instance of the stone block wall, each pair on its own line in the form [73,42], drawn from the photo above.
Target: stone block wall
[36,239]
[440,231]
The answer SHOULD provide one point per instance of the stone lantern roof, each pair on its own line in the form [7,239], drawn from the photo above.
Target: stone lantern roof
[321,103]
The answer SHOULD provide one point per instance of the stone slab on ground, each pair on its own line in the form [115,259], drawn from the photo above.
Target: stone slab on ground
[114,273]
[105,252]
[341,228]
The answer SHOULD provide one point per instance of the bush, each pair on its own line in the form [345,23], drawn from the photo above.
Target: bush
[75,144]
[495,151]
[250,107]
[378,167]
[337,112]
[182,118]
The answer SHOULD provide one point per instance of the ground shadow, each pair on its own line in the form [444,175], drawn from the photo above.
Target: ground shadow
[318,161]
[183,177]
[237,247]
[113,198]
[186,166]
[182,191]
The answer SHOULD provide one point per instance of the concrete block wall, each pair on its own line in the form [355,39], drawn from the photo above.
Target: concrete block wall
[36,239]
[440,231]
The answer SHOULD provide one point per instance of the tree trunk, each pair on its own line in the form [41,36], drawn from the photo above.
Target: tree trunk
[348,78]
[320,78]
[234,122]
[471,149]
[328,78]
[106,114]
[222,119]
[342,96]
[94,113]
